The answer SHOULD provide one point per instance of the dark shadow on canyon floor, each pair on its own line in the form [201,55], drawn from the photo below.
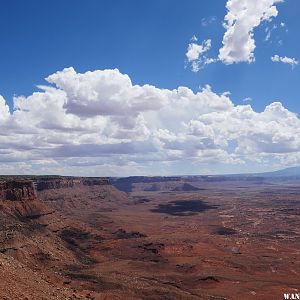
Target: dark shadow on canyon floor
[183,208]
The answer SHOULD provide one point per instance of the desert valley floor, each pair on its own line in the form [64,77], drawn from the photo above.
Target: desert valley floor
[149,238]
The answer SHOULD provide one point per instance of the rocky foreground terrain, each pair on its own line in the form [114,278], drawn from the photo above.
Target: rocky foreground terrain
[148,238]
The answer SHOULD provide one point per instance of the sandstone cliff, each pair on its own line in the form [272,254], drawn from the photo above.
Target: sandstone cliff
[17,190]
[48,183]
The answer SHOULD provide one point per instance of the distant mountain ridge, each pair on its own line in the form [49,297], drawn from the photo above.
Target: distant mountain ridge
[126,184]
[288,172]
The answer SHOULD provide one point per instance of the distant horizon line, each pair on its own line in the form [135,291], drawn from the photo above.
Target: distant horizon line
[173,175]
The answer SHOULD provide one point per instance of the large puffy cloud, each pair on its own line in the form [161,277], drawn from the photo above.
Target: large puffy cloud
[275,130]
[105,92]
[100,120]
[4,110]
[242,17]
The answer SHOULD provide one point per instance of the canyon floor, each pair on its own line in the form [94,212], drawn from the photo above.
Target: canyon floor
[170,238]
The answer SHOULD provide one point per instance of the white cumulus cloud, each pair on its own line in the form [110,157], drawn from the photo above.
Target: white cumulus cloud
[100,122]
[242,17]
[195,51]
[196,55]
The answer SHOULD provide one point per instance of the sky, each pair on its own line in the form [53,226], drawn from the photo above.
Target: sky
[160,87]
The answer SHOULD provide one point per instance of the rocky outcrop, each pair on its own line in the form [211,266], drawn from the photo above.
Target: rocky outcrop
[126,184]
[18,197]
[67,182]
[53,183]
[17,190]
[24,189]
[95,181]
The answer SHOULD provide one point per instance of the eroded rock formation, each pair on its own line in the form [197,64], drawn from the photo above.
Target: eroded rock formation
[49,183]
[17,190]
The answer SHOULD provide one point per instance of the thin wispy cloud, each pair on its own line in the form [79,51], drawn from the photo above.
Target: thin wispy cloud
[207,21]
[286,60]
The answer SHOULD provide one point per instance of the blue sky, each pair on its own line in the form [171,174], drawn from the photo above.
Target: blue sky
[148,41]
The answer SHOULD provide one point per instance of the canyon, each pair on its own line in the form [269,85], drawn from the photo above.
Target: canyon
[190,237]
